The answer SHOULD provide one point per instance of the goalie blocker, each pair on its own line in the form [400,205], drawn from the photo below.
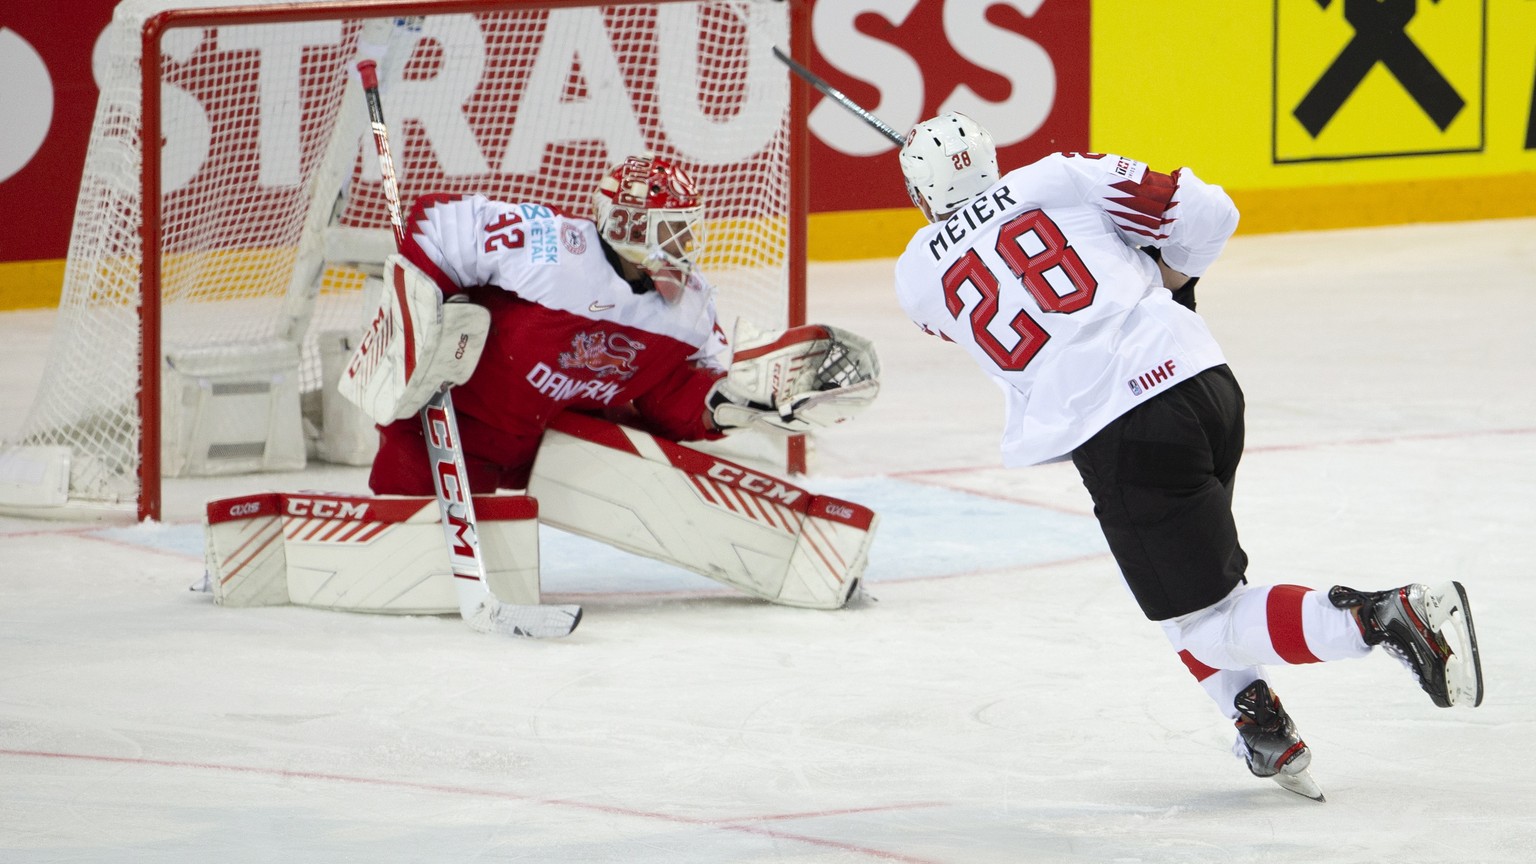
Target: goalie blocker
[634,491]
[414,345]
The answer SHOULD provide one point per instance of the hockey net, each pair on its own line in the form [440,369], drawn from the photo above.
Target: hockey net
[269,213]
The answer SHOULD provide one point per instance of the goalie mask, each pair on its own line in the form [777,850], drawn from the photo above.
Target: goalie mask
[947,161]
[650,212]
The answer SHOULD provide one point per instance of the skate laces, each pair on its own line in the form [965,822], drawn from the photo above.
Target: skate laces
[1267,733]
[1395,621]
[1259,707]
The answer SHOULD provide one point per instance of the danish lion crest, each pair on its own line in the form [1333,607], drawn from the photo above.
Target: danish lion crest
[603,354]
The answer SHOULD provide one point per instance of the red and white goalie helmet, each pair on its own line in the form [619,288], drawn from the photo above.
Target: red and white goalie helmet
[648,209]
[947,161]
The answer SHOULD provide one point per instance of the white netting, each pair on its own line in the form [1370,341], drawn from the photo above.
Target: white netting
[261,130]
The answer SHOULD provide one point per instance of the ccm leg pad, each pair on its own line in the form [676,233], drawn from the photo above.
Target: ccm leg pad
[733,524]
[362,554]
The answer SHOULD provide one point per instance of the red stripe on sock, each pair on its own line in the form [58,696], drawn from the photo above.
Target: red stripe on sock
[1283,609]
[1196,668]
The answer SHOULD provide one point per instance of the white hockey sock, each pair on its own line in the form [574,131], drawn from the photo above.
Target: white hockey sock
[1222,685]
[1265,625]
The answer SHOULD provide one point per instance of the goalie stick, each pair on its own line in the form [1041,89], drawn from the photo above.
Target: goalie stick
[479,608]
[839,97]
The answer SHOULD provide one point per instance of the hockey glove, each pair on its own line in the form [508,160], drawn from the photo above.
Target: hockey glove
[795,380]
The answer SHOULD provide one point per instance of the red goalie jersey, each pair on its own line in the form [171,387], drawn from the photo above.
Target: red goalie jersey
[568,333]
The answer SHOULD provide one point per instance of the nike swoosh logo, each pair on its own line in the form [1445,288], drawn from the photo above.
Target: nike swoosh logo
[599,307]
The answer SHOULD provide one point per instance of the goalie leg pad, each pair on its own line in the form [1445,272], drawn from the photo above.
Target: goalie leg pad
[362,554]
[662,500]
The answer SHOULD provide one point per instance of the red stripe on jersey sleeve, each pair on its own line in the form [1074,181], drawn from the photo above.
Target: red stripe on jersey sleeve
[1148,203]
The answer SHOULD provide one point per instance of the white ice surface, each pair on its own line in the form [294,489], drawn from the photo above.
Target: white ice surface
[1003,701]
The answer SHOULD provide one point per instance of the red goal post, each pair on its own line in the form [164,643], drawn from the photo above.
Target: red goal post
[216,271]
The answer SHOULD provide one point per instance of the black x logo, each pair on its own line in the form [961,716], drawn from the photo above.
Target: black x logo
[1379,38]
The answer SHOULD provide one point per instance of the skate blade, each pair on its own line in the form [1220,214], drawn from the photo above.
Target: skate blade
[1301,783]
[1449,615]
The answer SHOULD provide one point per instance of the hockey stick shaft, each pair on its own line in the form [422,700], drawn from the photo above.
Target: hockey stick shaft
[450,477]
[368,71]
[839,97]
[438,420]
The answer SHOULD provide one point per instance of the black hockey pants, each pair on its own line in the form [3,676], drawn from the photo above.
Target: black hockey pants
[1161,479]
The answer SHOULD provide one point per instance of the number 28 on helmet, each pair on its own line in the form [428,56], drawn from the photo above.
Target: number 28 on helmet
[649,210]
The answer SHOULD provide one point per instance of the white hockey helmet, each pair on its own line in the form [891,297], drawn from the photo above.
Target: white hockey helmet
[947,161]
[648,209]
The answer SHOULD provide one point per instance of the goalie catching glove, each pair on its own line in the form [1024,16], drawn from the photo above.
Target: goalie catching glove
[796,380]
[415,346]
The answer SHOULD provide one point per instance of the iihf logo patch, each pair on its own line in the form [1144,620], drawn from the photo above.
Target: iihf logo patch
[573,239]
[1154,377]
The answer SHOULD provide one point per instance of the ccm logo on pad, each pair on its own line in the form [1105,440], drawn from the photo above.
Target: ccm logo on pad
[327,508]
[754,483]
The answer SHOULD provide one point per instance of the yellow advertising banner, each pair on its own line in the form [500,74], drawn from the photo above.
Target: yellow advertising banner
[1327,113]
[1377,79]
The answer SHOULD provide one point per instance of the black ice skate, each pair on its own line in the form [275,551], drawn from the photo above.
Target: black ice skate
[1274,749]
[1428,627]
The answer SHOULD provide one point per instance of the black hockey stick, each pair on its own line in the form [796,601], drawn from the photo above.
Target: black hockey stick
[837,96]
[478,606]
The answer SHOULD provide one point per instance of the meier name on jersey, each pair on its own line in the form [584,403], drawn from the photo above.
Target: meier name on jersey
[975,215]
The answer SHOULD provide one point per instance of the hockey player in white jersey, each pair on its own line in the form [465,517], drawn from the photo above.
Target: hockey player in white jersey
[1070,282]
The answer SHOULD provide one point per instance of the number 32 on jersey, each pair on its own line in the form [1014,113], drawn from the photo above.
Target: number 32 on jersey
[1030,230]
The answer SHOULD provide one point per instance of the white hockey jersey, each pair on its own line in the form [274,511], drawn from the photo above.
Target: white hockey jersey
[554,261]
[567,332]
[1040,280]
